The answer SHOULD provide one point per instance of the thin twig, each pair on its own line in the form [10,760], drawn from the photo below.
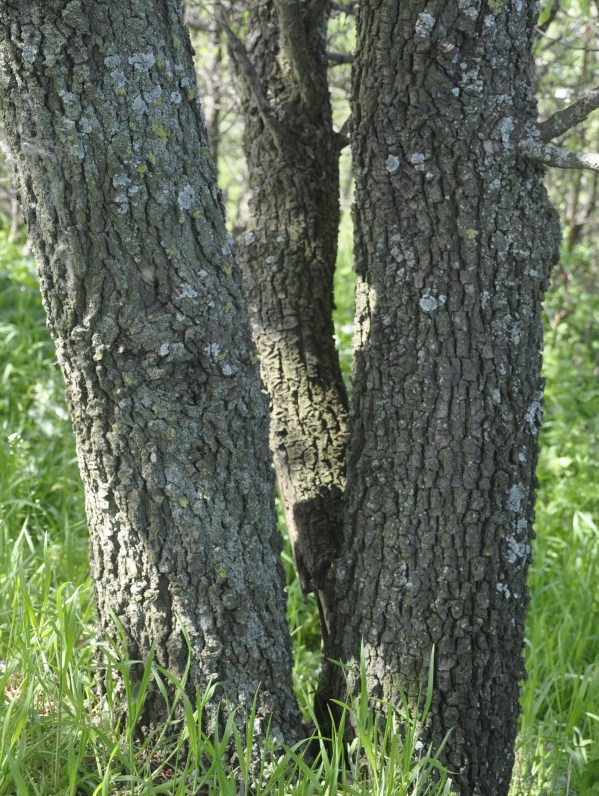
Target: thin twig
[340,58]
[569,45]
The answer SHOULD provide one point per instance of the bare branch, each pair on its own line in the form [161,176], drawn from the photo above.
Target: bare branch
[351,7]
[295,41]
[558,157]
[317,9]
[568,45]
[249,73]
[341,137]
[569,117]
[340,58]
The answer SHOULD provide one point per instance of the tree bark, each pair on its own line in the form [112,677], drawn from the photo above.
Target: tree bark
[455,241]
[144,303]
[288,259]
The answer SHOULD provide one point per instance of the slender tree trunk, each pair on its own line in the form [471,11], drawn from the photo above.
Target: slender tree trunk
[144,303]
[288,259]
[455,243]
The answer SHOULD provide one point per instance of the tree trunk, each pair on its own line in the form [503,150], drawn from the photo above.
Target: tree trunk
[455,241]
[288,259]
[144,303]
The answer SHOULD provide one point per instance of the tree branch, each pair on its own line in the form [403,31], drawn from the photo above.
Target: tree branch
[295,41]
[248,71]
[342,137]
[350,8]
[569,117]
[317,9]
[558,157]
[340,58]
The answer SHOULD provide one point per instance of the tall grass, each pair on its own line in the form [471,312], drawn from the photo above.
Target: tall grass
[559,737]
[58,735]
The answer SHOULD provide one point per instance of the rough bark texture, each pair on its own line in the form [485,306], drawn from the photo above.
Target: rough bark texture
[144,303]
[288,259]
[455,244]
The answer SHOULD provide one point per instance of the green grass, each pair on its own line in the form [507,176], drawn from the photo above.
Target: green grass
[559,738]
[59,736]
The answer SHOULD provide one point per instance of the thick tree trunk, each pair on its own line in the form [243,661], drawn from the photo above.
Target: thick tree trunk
[144,303]
[288,259]
[455,244]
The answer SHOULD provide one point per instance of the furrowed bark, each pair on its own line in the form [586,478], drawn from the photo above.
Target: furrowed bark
[287,259]
[144,303]
[455,241]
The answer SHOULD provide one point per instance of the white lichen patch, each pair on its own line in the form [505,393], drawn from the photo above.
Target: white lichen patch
[506,128]
[143,62]
[503,589]
[29,53]
[496,397]
[120,180]
[428,303]
[122,200]
[424,24]
[516,551]
[212,349]
[164,349]
[417,160]
[186,198]
[467,6]
[175,97]
[392,163]
[112,61]
[153,95]
[118,78]
[533,414]
[186,291]
[514,498]
[85,126]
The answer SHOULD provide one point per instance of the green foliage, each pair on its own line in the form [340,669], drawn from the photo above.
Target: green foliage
[559,738]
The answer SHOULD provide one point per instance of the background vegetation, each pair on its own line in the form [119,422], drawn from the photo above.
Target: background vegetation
[59,734]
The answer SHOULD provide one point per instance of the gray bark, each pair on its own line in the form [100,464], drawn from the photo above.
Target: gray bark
[288,258]
[455,241]
[144,303]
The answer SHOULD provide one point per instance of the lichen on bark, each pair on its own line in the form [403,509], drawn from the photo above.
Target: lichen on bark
[455,241]
[144,303]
